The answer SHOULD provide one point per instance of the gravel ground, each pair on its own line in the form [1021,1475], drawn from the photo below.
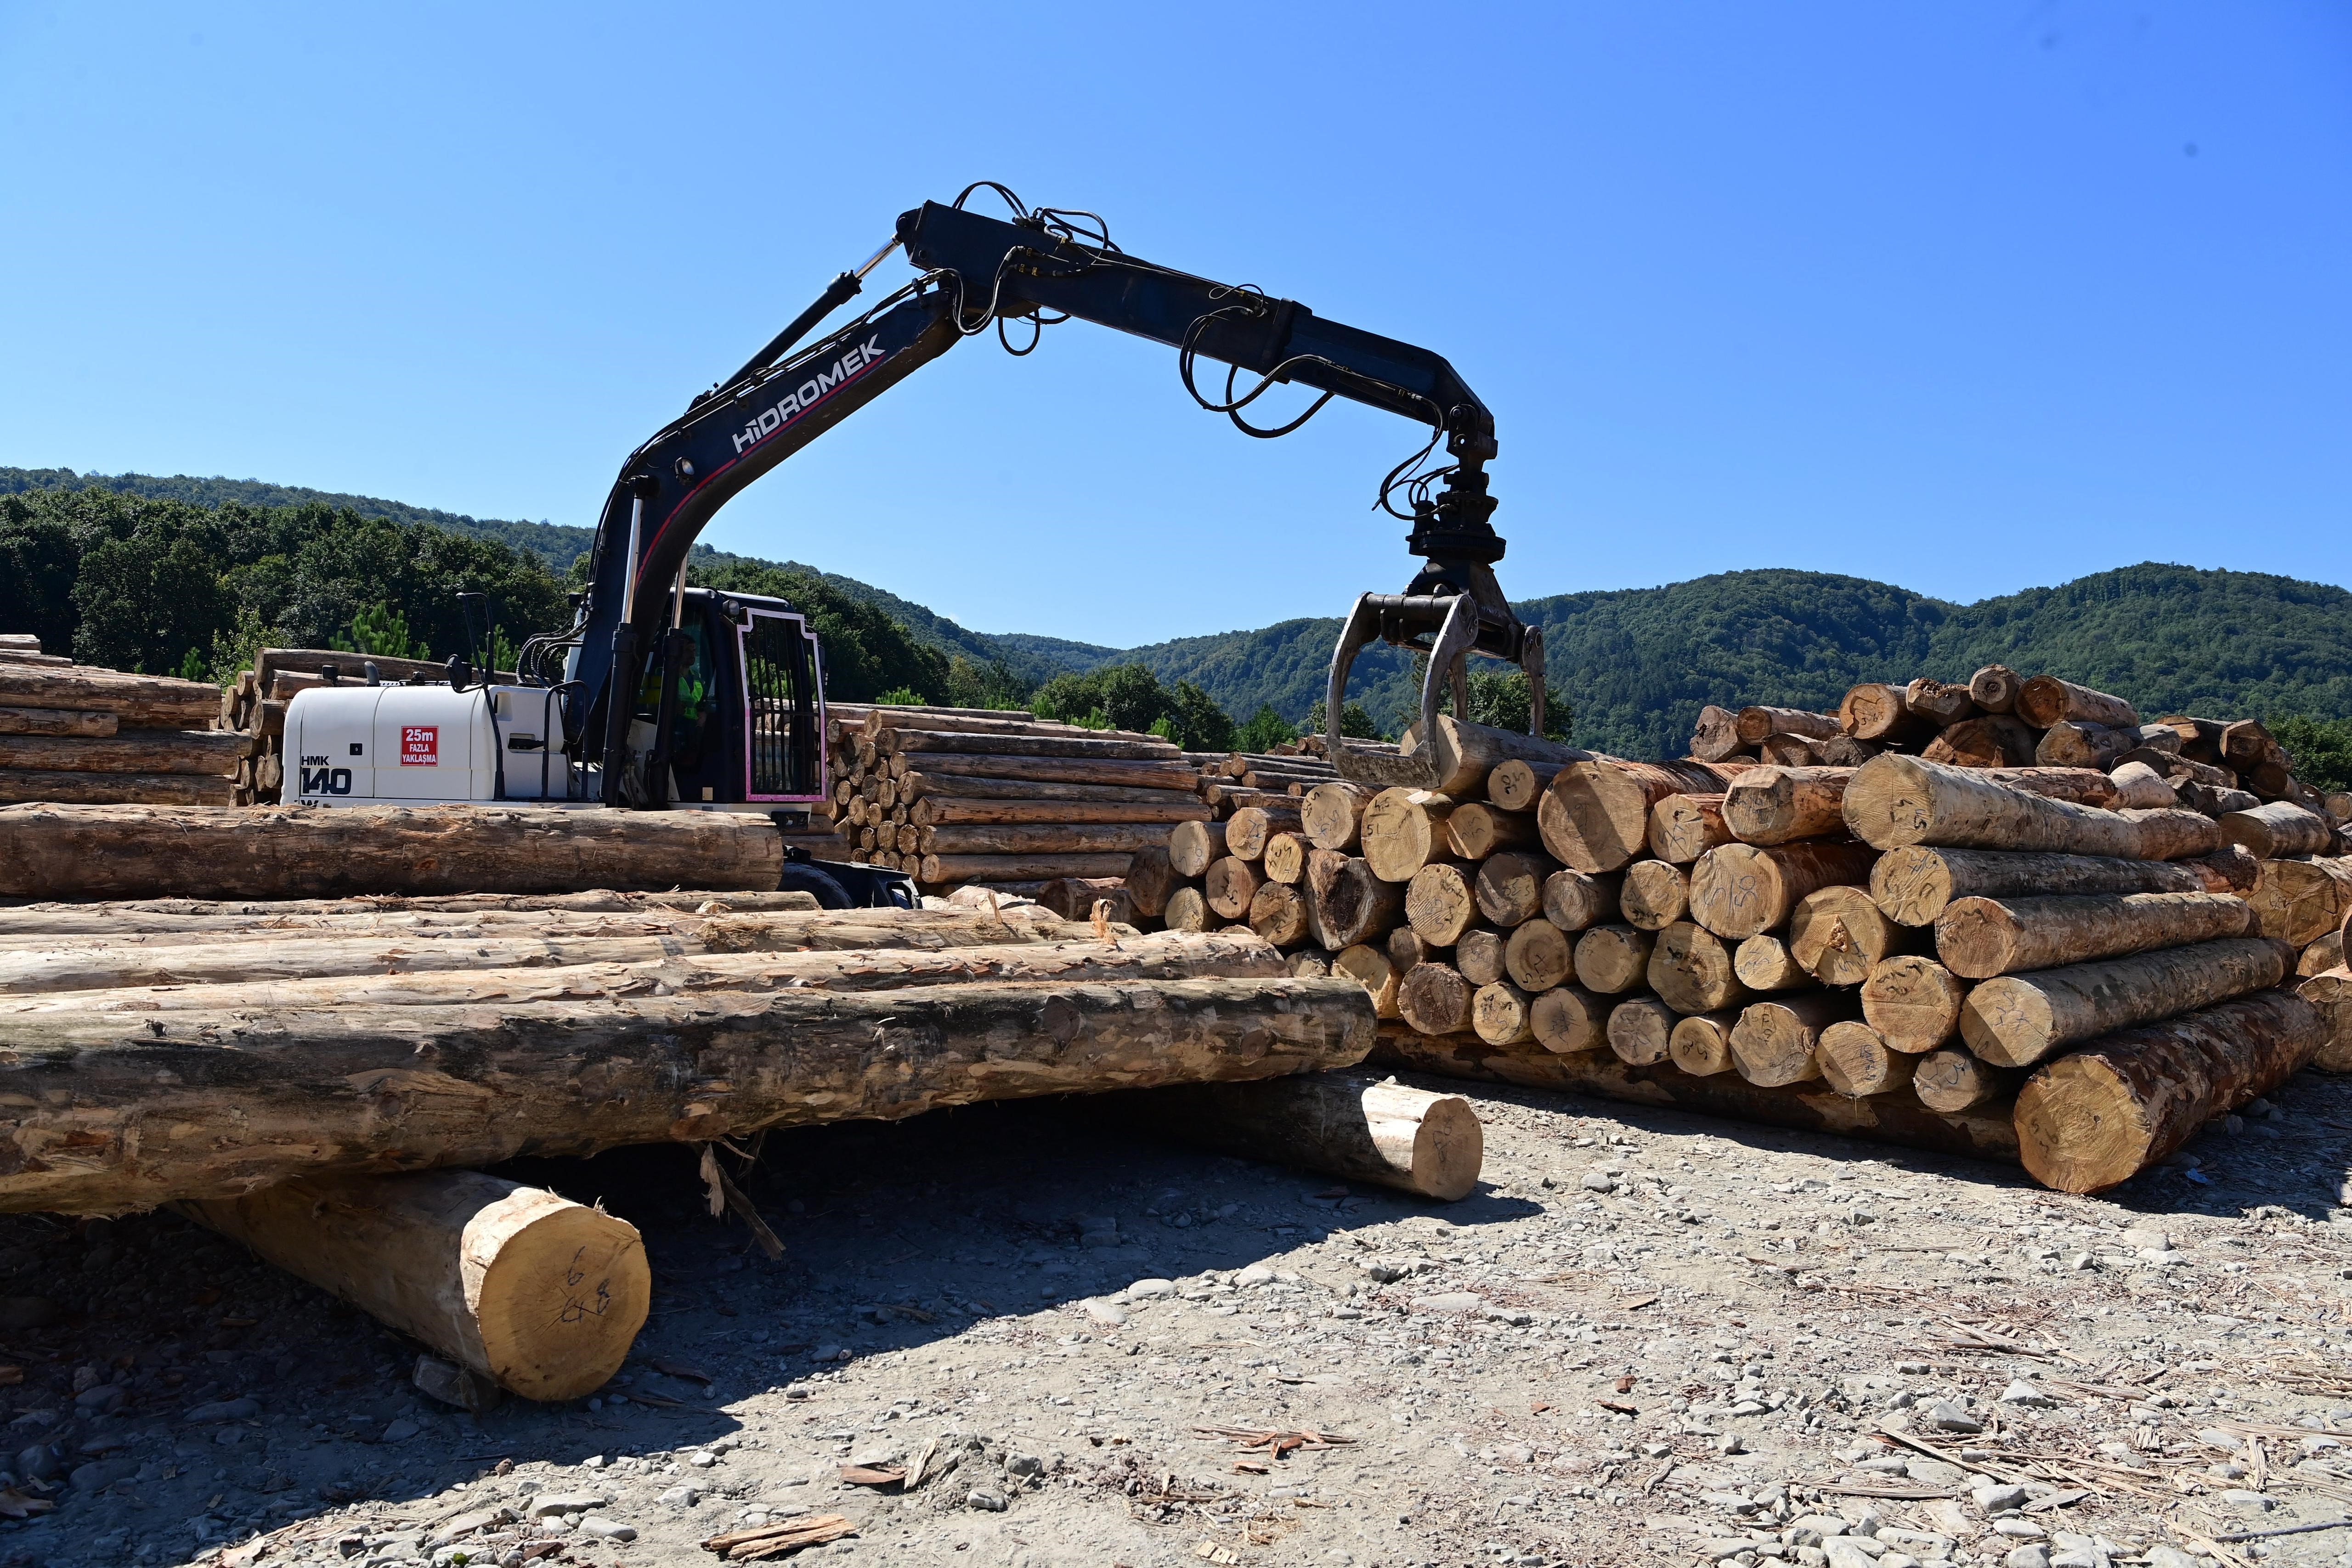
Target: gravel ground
[1649,1338]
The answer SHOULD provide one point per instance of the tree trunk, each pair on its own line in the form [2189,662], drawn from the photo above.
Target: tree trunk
[2098,1116]
[2045,700]
[1693,971]
[1915,885]
[537,1293]
[1949,1079]
[1639,1030]
[1701,1043]
[137,701]
[1335,1124]
[2018,1020]
[857,930]
[960,788]
[936,812]
[941,870]
[1229,887]
[2318,957]
[1742,890]
[2141,788]
[1876,711]
[1050,839]
[1234,797]
[1475,830]
[1995,741]
[1187,910]
[1886,1118]
[1539,956]
[1791,751]
[1284,860]
[2072,745]
[1845,752]
[1456,762]
[1434,999]
[97,852]
[1370,967]
[1716,736]
[1858,1062]
[973,742]
[1896,801]
[1994,688]
[1278,912]
[1940,703]
[1193,847]
[1440,903]
[1248,830]
[1404,829]
[1595,816]
[1502,1013]
[1510,887]
[1405,949]
[1150,879]
[1838,936]
[1655,895]
[1773,1042]
[2277,830]
[1979,939]
[1764,964]
[1479,955]
[1758,725]
[56,721]
[1684,827]
[2330,991]
[1330,815]
[25,786]
[1776,805]
[352,1089]
[2301,901]
[1612,958]
[1569,1019]
[1166,776]
[1346,902]
[1913,1002]
[1078,898]
[1516,786]
[1573,900]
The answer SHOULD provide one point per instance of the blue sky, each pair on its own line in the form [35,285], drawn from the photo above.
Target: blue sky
[1968,298]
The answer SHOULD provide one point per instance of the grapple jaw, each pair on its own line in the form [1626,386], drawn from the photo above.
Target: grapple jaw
[1447,613]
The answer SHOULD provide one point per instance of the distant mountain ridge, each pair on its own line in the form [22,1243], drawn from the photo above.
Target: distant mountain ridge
[1637,664]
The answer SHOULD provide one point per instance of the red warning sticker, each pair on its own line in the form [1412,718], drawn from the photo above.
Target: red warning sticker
[420,746]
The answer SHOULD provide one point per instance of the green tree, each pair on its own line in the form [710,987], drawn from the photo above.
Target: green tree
[383,630]
[971,684]
[1263,730]
[1354,722]
[2322,749]
[146,602]
[1130,696]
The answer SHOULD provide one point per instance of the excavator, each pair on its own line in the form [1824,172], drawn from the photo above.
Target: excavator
[660,695]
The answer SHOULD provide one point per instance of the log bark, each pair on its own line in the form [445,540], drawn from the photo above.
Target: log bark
[1940,703]
[1475,830]
[2330,991]
[1278,912]
[1949,1079]
[1434,999]
[1167,775]
[1346,902]
[1876,711]
[1440,903]
[2141,788]
[1843,751]
[1078,897]
[1776,805]
[1248,830]
[1150,879]
[1717,735]
[56,721]
[25,786]
[1774,1041]
[1890,1119]
[1758,725]
[1455,762]
[1510,887]
[2098,1116]
[97,852]
[1539,956]
[137,701]
[857,930]
[1341,1125]
[1479,955]
[1404,829]
[1573,900]
[1516,786]
[2246,744]
[1639,1030]
[1701,1043]
[934,811]
[1838,936]
[1856,1062]
[941,870]
[1994,688]
[539,1294]
[1693,971]
[1791,751]
[1684,827]
[1187,910]
[2046,700]
[1230,885]
[1569,1019]
[2018,1020]
[2299,902]
[1370,967]
[1284,860]
[2322,956]
[1655,895]
[1503,1013]
[1405,949]
[1595,816]
[915,786]
[1744,890]
[2277,830]
[1612,958]
[1330,815]
[1915,885]
[1979,939]
[983,744]
[2072,745]
[1994,741]
[379,1089]
[1896,801]
[1193,847]
[1764,964]
[1048,839]
[1233,796]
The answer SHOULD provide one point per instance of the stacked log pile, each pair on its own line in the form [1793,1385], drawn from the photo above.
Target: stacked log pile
[957,795]
[83,733]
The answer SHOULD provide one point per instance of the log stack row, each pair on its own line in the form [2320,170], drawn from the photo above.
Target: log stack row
[83,733]
[958,796]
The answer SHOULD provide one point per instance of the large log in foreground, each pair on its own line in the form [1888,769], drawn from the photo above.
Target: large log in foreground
[109,1113]
[539,1294]
[1885,1118]
[147,851]
[2100,1115]
[1343,1125]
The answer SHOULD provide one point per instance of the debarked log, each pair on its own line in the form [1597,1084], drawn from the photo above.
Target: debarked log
[1339,1124]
